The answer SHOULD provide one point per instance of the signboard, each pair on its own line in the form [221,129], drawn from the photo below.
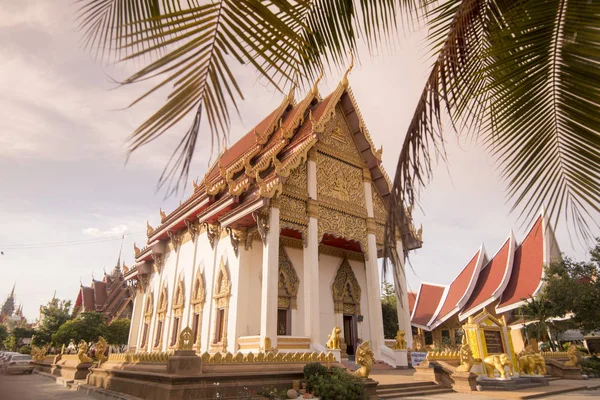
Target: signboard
[493,341]
[417,357]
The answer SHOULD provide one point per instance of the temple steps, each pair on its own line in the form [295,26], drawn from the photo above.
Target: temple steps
[409,389]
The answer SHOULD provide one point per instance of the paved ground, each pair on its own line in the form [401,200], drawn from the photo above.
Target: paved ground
[34,387]
[579,395]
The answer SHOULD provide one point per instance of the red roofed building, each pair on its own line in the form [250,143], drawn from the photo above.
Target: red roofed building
[500,286]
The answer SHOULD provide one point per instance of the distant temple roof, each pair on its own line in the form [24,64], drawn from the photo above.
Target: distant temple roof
[110,296]
[513,275]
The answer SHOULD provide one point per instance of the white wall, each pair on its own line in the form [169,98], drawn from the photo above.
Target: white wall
[297,258]
[249,295]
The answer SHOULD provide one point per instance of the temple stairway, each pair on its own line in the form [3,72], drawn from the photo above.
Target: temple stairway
[409,389]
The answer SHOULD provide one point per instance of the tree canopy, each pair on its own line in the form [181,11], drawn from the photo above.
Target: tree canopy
[55,314]
[87,326]
[117,332]
[572,287]
[389,310]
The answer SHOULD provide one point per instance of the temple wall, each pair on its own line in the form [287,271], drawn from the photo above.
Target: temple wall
[134,328]
[248,317]
[205,262]
[297,258]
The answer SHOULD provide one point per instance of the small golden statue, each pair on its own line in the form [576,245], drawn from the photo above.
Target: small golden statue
[186,338]
[497,362]
[365,358]
[574,356]
[465,356]
[82,352]
[333,339]
[400,342]
[101,347]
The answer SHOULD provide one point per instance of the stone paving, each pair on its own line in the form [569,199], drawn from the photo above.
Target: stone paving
[35,387]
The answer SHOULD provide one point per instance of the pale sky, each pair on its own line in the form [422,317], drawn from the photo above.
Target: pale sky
[63,177]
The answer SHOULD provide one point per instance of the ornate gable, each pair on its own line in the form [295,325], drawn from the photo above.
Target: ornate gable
[337,141]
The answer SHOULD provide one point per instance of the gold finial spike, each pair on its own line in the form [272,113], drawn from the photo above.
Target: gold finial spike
[163,215]
[149,229]
[345,78]
[315,88]
[290,96]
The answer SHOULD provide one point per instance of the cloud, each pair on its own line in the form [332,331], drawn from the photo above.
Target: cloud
[111,232]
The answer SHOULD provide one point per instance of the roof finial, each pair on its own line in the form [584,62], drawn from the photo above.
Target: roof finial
[345,78]
[54,295]
[315,88]
[120,250]
[12,292]
[290,95]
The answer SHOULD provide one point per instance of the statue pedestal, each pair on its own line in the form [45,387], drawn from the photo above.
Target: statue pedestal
[464,382]
[522,382]
[337,353]
[184,362]
[401,357]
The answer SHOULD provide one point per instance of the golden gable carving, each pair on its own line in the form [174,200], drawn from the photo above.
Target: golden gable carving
[338,181]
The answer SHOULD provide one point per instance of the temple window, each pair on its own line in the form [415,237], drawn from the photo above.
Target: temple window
[428,338]
[221,302]
[198,300]
[178,303]
[148,310]
[161,314]
[288,284]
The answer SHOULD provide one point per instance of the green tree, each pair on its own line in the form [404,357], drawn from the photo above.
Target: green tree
[3,334]
[55,314]
[573,287]
[117,333]
[389,311]
[539,310]
[10,343]
[87,326]
[521,76]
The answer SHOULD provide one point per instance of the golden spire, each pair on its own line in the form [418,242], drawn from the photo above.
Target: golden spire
[315,88]
[149,229]
[345,78]
[290,96]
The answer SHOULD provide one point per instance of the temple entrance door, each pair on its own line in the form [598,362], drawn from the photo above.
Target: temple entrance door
[350,330]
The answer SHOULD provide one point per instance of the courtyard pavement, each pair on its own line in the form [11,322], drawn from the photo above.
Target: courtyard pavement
[35,387]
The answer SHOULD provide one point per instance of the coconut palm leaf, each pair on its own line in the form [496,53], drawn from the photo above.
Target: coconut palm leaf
[521,76]
[194,45]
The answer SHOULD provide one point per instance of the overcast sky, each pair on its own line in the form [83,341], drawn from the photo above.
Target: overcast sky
[63,176]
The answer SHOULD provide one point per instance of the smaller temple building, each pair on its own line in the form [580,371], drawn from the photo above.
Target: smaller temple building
[495,286]
[112,296]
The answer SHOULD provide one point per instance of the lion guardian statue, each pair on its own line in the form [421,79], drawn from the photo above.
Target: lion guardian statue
[333,339]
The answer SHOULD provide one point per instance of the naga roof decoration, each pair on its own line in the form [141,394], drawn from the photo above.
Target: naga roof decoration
[256,167]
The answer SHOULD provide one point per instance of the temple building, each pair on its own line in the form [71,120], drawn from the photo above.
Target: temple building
[112,296]
[499,285]
[278,243]
[10,314]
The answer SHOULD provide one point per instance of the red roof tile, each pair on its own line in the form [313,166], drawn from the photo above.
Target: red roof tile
[490,279]
[458,288]
[412,298]
[427,303]
[528,269]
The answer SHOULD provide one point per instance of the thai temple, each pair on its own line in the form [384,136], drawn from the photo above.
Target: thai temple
[496,286]
[279,242]
[10,313]
[111,296]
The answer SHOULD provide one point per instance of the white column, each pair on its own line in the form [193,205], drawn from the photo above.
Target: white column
[402,305]
[269,290]
[372,272]
[311,259]
[136,318]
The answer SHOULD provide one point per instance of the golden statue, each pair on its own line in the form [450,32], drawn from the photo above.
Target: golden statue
[400,342]
[531,363]
[364,358]
[574,356]
[417,344]
[465,356]
[101,347]
[186,338]
[163,215]
[82,352]
[333,339]
[497,362]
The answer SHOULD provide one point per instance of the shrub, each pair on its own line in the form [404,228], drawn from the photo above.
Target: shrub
[25,350]
[314,368]
[336,385]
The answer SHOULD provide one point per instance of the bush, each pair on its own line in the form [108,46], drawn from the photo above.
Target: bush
[336,385]
[25,350]
[591,364]
[314,368]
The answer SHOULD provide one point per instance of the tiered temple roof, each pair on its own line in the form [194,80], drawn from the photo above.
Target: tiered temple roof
[251,173]
[503,283]
[111,296]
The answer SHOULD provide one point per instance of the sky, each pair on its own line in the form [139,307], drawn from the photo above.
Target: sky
[65,178]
